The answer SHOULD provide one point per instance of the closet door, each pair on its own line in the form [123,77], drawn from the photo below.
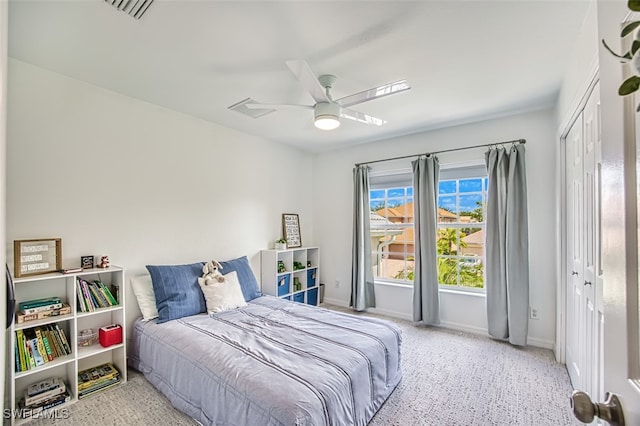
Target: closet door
[584,272]
[574,235]
[592,280]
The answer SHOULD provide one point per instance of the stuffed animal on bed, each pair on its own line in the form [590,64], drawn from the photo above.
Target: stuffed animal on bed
[211,272]
[221,292]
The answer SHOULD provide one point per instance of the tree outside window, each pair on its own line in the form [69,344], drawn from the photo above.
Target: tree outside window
[461,207]
[460,243]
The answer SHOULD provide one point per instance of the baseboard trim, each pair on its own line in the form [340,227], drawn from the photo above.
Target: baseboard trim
[336,302]
[532,341]
[464,327]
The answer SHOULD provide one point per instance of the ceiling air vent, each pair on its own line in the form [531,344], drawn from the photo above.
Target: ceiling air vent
[133,8]
[251,112]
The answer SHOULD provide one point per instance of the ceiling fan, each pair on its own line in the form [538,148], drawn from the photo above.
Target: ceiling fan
[326,110]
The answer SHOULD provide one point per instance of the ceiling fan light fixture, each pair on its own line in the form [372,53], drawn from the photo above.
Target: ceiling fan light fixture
[327,116]
[327,122]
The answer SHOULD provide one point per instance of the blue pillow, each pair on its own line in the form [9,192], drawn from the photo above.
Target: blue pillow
[177,290]
[248,282]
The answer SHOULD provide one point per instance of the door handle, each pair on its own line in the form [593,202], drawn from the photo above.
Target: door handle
[584,410]
[587,283]
[574,273]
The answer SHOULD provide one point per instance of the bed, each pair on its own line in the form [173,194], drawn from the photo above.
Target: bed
[271,362]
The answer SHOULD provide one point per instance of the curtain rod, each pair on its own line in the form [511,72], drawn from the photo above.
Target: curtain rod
[522,141]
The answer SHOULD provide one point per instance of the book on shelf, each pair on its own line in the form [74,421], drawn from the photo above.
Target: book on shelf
[63,310]
[50,341]
[92,295]
[37,356]
[63,339]
[39,345]
[87,297]
[112,299]
[52,388]
[41,308]
[82,307]
[92,375]
[33,410]
[98,296]
[21,360]
[30,363]
[43,345]
[97,375]
[97,378]
[44,385]
[99,387]
[36,303]
[71,270]
[115,293]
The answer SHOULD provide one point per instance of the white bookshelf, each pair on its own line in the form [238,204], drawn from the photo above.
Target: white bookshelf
[283,284]
[81,358]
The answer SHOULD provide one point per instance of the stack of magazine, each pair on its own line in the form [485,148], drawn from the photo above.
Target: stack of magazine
[96,379]
[44,395]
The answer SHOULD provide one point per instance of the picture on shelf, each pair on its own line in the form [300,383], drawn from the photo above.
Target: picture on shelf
[32,257]
[86,262]
[291,230]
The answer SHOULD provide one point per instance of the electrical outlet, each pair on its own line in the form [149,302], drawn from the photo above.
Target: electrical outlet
[534,313]
[337,283]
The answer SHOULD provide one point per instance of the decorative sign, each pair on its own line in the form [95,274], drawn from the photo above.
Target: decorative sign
[86,262]
[291,230]
[32,257]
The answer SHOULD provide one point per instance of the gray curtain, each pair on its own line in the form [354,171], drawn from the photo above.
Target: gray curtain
[507,245]
[426,300]
[362,286]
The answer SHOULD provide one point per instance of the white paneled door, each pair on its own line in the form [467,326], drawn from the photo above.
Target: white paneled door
[584,275]
[575,329]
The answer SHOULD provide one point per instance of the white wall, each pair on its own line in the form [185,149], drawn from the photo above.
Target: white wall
[582,66]
[113,175]
[333,222]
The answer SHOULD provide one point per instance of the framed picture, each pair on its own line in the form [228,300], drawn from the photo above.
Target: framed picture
[291,230]
[86,262]
[33,257]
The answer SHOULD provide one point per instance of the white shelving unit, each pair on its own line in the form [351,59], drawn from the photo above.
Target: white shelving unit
[81,358]
[300,285]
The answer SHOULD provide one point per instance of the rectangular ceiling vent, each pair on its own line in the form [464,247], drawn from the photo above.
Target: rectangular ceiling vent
[133,8]
[251,112]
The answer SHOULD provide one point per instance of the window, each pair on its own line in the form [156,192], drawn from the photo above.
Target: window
[461,212]
[462,195]
[392,233]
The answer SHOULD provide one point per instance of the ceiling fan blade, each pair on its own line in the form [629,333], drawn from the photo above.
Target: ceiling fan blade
[374,93]
[303,72]
[361,117]
[256,105]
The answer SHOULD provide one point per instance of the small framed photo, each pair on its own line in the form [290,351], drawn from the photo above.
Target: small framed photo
[86,262]
[33,257]
[291,229]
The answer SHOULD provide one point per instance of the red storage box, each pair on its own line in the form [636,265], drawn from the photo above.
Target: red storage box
[110,335]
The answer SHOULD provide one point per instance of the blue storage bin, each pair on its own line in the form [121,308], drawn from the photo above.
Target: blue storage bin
[312,296]
[311,277]
[284,284]
[299,297]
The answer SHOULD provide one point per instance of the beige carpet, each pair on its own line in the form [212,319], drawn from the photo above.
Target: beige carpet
[450,378]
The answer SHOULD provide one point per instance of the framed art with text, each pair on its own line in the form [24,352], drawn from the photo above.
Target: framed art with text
[291,229]
[32,257]
[86,262]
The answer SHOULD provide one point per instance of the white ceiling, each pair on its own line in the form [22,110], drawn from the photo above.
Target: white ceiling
[465,60]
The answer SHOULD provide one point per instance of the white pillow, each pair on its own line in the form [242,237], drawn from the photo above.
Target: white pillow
[222,296]
[143,289]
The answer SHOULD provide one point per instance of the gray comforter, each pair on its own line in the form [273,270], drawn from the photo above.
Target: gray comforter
[272,362]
